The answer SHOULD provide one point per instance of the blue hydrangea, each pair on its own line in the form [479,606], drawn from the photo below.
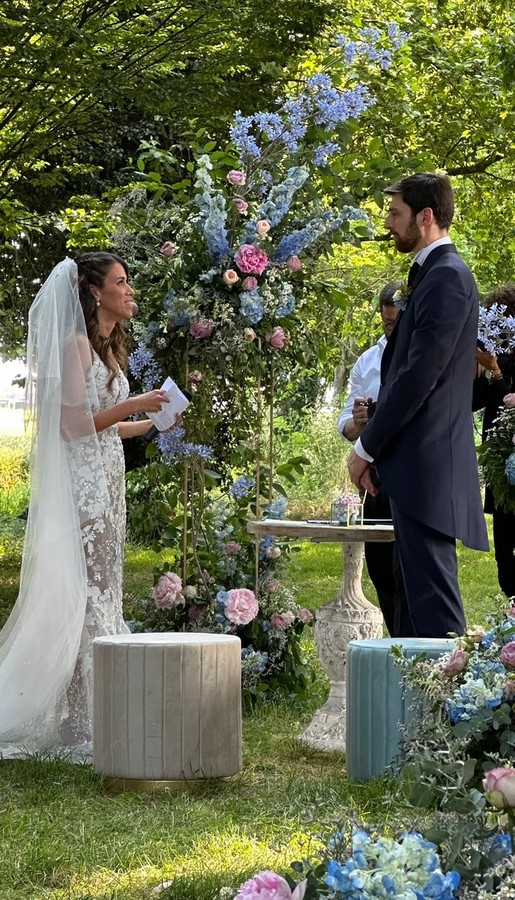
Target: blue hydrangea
[251,306]
[242,486]
[277,508]
[264,545]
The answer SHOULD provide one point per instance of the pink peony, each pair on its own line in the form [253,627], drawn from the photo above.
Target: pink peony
[294,264]
[168,248]
[278,338]
[202,328]
[230,277]
[195,377]
[305,615]
[249,283]
[251,260]
[232,548]
[269,886]
[282,621]
[456,662]
[241,205]
[236,176]
[499,787]
[241,606]
[168,591]
[263,227]
[509,401]
[249,334]
[508,655]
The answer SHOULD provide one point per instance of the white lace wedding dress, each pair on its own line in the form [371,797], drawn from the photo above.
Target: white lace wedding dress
[103,537]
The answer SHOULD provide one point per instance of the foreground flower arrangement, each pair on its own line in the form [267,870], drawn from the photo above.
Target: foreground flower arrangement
[497,456]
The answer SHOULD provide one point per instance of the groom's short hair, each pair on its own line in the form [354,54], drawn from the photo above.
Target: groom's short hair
[426,189]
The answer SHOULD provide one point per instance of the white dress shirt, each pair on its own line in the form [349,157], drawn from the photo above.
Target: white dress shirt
[364,380]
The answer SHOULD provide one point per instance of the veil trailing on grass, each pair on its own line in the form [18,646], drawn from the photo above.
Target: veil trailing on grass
[40,641]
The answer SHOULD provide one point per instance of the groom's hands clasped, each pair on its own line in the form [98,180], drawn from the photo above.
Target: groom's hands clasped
[360,474]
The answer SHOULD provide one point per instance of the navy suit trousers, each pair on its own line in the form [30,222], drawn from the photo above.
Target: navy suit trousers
[433,605]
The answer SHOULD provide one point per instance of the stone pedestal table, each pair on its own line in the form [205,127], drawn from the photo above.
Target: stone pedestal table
[350,616]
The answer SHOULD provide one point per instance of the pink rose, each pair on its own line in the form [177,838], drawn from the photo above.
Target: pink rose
[271,586]
[241,205]
[476,634]
[456,662]
[241,606]
[306,616]
[249,334]
[269,886]
[168,591]
[195,377]
[236,176]
[168,248]
[251,260]
[282,621]
[230,277]
[263,227]
[509,401]
[278,338]
[249,283]
[508,655]
[202,328]
[232,548]
[499,787]
[294,264]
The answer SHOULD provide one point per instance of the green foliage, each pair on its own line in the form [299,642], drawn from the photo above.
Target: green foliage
[14,486]
[493,456]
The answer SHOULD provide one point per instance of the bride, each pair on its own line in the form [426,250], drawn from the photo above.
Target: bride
[71,576]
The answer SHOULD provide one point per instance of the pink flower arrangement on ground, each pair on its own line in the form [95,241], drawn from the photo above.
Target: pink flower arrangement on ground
[508,654]
[251,260]
[241,607]
[168,591]
[270,886]
[509,401]
[456,662]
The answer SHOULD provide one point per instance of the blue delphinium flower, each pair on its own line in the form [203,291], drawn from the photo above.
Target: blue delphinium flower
[174,448]
[143,366]
[293,244]
[242,486]
[211,204]
[280,196]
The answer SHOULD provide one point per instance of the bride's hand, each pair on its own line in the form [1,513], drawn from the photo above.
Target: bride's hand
[151,402]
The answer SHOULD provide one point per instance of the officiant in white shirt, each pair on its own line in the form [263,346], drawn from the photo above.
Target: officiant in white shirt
[362,393]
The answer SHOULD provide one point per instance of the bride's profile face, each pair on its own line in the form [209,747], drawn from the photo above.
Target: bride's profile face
[116,296]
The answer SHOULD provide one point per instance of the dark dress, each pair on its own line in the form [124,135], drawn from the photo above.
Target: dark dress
[488,395]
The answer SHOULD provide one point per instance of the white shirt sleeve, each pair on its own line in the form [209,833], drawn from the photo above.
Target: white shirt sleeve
[361,452]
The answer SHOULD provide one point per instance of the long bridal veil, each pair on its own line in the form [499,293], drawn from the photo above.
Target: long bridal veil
[40,641]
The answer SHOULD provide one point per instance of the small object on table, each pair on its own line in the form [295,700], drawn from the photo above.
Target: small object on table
[167,709]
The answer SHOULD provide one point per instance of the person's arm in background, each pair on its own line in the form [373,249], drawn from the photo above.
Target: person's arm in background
[354,415]
[488,390]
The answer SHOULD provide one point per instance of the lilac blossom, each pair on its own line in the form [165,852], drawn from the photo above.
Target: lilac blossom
[242,486]
[143,366]
[324,152]
[174,448]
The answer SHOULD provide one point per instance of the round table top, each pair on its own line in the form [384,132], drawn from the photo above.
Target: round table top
[165,638]
[314,531]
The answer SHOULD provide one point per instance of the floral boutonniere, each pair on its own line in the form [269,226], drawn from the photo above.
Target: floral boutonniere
[401,297]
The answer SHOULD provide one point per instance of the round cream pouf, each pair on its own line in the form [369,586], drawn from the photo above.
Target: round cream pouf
[166,709]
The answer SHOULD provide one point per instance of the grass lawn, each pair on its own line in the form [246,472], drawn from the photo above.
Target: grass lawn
[63,838]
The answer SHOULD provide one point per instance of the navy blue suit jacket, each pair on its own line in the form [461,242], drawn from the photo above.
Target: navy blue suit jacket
[421,434]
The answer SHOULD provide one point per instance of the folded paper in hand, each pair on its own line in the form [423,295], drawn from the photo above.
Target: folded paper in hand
[176,405]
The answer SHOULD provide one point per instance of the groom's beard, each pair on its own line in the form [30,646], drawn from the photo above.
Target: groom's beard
[407,242]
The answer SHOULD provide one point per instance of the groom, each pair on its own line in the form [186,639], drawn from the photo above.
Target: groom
[420,437]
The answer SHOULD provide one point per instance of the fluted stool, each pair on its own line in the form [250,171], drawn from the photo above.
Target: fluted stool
[378,703]
[167,709]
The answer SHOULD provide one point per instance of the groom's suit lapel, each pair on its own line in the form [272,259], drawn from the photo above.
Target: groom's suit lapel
[429,261]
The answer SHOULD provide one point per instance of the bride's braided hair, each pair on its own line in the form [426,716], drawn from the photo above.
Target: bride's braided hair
[92,270]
